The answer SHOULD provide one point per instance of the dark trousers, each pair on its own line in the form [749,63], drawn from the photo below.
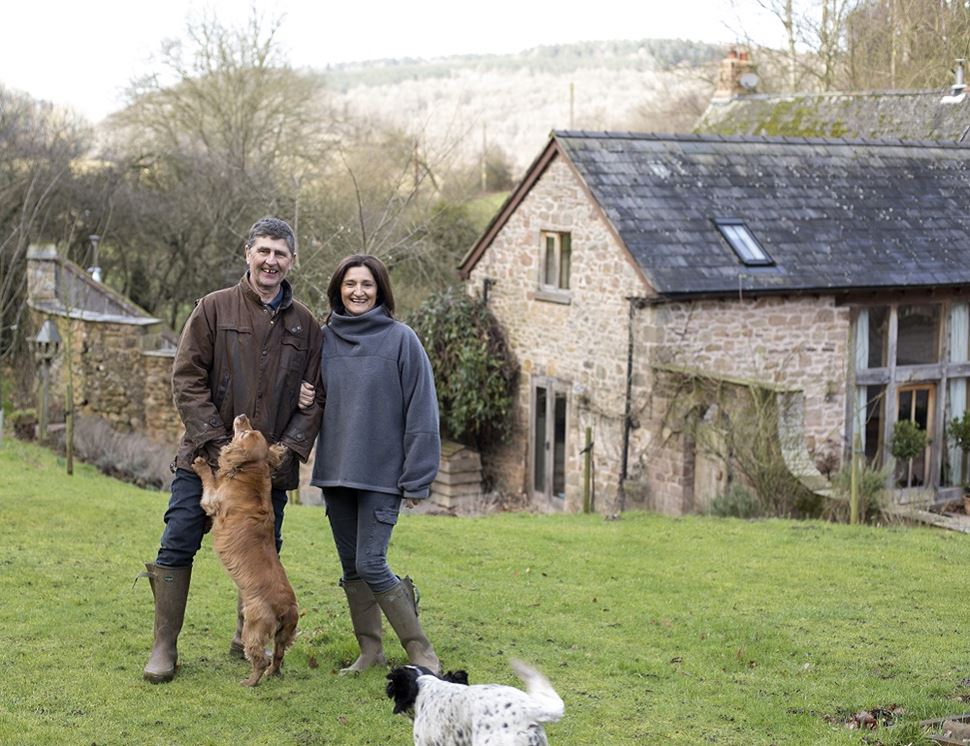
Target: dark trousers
[362,523]
[185,520]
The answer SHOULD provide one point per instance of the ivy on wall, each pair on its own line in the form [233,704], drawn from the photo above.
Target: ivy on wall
[475,371]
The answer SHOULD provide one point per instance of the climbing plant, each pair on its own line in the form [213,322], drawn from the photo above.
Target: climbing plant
[475,371]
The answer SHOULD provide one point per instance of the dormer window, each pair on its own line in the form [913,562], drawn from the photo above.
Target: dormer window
[742,240]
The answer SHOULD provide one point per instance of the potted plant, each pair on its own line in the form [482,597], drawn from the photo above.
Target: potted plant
[909,441]
[959,432]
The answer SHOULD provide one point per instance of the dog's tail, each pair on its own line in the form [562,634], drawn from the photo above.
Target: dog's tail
[548,705]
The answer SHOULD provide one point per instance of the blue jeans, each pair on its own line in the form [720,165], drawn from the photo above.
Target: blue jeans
[362,523]
[185,520]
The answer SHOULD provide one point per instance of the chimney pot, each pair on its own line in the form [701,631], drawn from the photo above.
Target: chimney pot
[958,91]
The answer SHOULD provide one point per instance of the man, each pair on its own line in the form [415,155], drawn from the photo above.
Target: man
[243,350]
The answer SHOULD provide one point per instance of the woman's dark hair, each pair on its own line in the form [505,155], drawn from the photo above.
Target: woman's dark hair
[385,296]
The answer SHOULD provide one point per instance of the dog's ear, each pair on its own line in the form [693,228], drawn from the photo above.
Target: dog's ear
[402,687]
[277,453]
[231,455]
[456,677]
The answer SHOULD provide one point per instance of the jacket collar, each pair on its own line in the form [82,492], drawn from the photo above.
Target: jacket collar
[252,295]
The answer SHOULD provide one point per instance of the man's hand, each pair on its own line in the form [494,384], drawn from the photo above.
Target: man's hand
[211,450]
[284,462]
[306,394]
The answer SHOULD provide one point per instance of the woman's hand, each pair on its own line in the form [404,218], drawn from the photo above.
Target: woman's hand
[306,395]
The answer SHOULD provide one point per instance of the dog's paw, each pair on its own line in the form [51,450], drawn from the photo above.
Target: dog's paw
[199,463]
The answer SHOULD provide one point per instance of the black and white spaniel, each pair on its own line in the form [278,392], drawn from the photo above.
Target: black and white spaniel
[449,712]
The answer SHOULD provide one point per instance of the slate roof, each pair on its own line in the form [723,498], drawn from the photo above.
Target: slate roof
[908,115]
[833,215]
[79,296]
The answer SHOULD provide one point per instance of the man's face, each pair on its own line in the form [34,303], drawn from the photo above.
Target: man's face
[268,259]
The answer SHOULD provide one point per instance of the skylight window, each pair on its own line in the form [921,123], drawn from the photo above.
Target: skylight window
[745,245]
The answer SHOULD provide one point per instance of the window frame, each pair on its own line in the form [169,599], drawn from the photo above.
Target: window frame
[555,292]
[746,247]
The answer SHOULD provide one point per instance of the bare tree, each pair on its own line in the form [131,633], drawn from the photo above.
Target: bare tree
[866,44]
[906,44]
[215,139]
[39,144]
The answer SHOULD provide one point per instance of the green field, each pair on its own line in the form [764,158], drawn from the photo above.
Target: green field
[654,630]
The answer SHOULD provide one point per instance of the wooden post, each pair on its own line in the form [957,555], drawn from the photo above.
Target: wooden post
[587,468]
[572,104]
[854,481]
[484,160]
[69,396]
[69,424]
[45,368]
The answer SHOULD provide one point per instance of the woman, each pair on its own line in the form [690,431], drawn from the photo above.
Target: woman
[378,445]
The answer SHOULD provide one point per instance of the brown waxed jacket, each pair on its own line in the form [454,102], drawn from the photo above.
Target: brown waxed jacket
[237,356]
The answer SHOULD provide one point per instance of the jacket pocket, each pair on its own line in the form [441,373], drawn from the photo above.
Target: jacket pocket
[232,355]
[294,350]
[388,517]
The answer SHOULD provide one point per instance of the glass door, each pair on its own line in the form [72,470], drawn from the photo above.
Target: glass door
[548,437]
[916,403]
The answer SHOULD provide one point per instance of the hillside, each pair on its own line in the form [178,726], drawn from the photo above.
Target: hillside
[512,101]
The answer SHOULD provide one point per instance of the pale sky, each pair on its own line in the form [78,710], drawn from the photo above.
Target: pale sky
[83,54]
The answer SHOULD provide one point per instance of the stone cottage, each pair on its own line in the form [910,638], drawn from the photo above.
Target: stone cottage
[834,275]
[122,361]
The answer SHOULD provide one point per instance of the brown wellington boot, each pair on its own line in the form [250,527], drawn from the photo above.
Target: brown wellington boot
[400,606]
[236,647]
[365,615]
[170,587]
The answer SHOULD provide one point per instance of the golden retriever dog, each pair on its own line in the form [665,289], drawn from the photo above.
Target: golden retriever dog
[237,497]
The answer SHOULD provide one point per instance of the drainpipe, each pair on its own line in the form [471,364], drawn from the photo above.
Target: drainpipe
[635,304]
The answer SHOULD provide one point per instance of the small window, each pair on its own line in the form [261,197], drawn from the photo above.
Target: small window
[745,245]
[556,260]
[918,334]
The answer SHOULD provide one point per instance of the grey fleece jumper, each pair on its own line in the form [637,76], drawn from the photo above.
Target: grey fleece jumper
[380,422]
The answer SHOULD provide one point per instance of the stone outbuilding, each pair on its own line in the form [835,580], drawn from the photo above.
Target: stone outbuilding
[647,282]
[122,358]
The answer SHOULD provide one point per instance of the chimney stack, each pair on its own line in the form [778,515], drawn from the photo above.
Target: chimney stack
[736,77]
[958,91]
[42,272]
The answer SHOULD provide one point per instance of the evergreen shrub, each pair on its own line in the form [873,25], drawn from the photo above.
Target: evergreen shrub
[475,371]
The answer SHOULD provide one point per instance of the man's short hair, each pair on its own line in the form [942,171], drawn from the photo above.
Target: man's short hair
[271,227]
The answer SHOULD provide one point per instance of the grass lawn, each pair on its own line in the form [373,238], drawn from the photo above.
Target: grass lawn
[654,630]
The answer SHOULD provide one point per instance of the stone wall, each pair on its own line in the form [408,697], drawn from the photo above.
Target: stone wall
[581,344]
[796,343]
[162,423]
[114,379]
[111,380]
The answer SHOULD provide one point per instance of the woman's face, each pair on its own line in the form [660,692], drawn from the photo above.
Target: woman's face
[358,291]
